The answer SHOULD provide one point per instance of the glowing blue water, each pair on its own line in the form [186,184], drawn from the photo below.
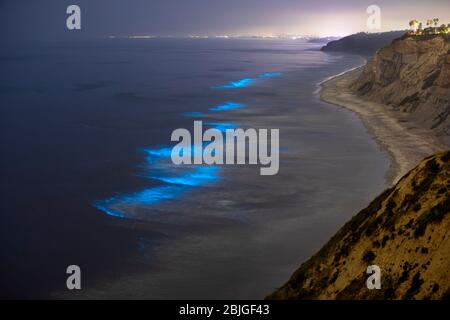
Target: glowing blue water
[235,84]
[178,179]
[245,82]
[151,196]
[270,75]
[152,154]
[222,126]
[155,154]
[227,106]
[200,176]
[158,166]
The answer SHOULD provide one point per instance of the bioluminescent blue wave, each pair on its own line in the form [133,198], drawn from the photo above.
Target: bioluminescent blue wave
[152,154]
[179,180]
[194,114]
[235,84]
[227,106]
[270,75]
[165,152]
[102,206]
[200,176]
[245,82]
[222,126]
[146,197]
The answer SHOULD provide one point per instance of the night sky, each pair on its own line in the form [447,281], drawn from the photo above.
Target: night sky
[45,19]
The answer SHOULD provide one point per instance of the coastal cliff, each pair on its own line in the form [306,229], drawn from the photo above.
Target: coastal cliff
[362,43]
[412,76]
[405,231]
[402,96]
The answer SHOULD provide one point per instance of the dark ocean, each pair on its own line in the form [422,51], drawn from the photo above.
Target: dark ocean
[86,176]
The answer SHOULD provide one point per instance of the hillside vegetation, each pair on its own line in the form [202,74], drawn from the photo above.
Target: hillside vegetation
[405,231]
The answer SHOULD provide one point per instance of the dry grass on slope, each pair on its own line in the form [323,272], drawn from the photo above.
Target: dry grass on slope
[405,231]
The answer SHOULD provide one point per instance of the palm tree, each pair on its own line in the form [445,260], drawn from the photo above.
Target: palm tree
[436,21]
[413,24]
[429,29]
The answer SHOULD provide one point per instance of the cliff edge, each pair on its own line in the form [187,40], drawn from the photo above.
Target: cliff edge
[405,231]
[362,43]
[412,76]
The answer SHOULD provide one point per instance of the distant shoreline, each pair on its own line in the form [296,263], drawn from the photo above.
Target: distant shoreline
[405,143]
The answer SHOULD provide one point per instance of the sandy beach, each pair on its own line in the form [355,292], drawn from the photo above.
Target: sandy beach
[405,142]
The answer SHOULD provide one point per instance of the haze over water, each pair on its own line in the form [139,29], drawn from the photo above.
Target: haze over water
[87,176]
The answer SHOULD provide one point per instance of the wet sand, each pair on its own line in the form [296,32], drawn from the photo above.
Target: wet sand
[405,142]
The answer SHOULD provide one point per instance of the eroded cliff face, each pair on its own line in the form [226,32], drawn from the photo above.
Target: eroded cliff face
[412,75]
[405,231]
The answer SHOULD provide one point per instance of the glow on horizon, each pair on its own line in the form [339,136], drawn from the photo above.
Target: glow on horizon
[338,20]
